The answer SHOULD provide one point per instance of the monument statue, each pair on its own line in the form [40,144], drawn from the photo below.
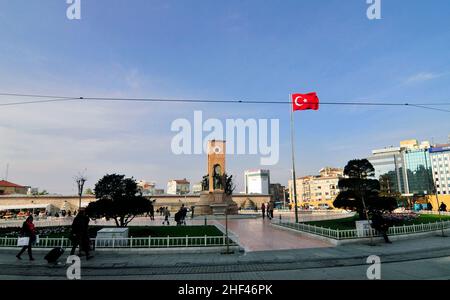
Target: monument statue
[217,187]
[205,183]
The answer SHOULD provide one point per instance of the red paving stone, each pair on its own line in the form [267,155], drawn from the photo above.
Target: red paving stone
[260,235]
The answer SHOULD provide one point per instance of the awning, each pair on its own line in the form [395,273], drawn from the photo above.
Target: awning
[25,206]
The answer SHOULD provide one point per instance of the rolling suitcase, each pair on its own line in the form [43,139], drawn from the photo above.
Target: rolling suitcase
[54,255]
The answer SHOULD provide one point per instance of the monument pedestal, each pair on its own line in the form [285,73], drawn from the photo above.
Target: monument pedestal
[215,203]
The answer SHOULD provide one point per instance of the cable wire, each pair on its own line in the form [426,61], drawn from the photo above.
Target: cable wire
[39,101]
[164,100]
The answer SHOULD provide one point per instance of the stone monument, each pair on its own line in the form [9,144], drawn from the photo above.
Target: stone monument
[216,195]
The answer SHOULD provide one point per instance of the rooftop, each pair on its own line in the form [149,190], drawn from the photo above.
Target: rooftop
[4,183]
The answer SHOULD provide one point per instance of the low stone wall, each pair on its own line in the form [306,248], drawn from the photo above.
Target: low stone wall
[171,201]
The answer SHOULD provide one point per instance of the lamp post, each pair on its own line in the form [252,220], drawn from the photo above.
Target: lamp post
[80,183]
[227,242]
[433,188]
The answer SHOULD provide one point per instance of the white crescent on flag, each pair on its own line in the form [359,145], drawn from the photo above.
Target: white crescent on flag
[300,98]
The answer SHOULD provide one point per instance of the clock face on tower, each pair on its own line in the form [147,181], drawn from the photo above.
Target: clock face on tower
[217,149]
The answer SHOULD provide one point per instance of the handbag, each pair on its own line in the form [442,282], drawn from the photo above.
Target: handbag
[23,241]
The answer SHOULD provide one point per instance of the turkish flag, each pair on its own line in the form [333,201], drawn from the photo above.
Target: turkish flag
[305,101]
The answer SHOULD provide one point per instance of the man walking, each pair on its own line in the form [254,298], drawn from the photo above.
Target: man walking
[380,224]
[183,210]
[80,233]
[166,215]
[270,210]
[152,211]
[263,210]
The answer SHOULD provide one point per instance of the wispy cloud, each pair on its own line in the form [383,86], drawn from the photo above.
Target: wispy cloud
[422,77]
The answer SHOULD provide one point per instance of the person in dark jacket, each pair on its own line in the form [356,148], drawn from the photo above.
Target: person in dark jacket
[184,211]
[152,212]
[443,207]
[29,231]
[263,210]
[381,225]
[178,216]
[80,234]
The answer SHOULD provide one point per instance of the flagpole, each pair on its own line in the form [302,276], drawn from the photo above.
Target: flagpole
[294,182]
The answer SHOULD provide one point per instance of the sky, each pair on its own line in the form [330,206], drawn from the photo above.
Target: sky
[219,50]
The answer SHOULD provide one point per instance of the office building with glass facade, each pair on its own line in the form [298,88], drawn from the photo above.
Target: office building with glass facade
[418,173]
[406,169]
[389,166]
[440,159]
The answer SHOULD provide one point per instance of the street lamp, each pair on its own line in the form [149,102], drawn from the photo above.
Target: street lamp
[80,183]
[433,189]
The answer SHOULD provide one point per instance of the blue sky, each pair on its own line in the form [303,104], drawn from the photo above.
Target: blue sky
[260,50]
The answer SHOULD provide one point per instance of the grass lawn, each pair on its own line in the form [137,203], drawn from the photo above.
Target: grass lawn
[349,223]
[134,231]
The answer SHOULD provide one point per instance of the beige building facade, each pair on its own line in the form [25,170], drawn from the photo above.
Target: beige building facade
[317,190]
[172,201]
[178,187]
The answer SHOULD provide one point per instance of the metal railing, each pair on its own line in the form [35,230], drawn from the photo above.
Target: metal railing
[67,221]
[131,242]
[433,212]
[339,234]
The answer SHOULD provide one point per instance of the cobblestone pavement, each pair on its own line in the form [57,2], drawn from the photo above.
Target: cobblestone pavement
[409,259]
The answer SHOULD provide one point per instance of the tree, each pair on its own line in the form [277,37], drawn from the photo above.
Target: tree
[89,191]
[361,193]
[119,198]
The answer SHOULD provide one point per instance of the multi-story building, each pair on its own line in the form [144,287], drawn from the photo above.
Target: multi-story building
[9,188]
[405,169]
[278,192]
[197,188]
[146,188]
[158,192]
[321,189]
[257,182]
[389,164]
[440,162]
[178,187]
[418,177]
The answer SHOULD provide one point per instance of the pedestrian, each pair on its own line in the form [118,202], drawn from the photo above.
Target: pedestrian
[28,230]
[178,216]
[152,211]
[381,225]
[183,210]
[263,210]
[192,211]
[161,211]
[166,215]
[270,210]
[443,207]
[80,233]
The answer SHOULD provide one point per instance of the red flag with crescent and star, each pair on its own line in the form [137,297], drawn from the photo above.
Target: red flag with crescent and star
[305,101]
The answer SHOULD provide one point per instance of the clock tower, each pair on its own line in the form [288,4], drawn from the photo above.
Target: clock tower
[216,162]
[215,199]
